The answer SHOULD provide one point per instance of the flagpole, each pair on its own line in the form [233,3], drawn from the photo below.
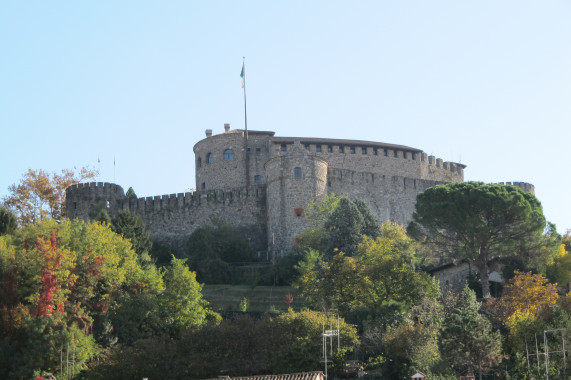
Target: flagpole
[245,124]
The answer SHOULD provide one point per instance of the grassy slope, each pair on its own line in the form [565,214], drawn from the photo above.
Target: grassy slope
[261,298]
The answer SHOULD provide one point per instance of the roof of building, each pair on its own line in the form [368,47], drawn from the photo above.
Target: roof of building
[319,140]
[316,375]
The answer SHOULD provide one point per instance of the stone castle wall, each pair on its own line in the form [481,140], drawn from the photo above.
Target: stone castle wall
[172,218]
[389,197]
[271,212]
[293,180]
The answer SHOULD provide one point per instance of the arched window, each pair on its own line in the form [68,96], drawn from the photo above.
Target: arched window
[209,158]
[297,172]
[228,154]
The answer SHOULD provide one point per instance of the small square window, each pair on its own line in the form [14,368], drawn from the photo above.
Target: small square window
[318,148]
[385,152]
[249,151]
[403,154]
[258,151]
[329,149]
[375,153]
[283,148]
[352,150]
[395,153]
[364,150]
[306,146]
[257,179]
[341,149]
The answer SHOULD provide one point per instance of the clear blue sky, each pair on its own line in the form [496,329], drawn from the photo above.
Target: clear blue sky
[486,83]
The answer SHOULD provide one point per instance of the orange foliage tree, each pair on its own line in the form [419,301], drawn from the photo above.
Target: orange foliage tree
[41,195]
[527,297]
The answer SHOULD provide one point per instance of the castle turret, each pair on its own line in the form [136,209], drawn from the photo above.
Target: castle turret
[294,178]
[83,197]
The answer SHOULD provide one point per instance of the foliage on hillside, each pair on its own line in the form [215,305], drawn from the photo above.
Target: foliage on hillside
[73,288]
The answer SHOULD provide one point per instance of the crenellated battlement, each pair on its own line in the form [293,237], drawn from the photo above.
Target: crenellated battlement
[193,199]
[261,186]
[525,186]
[95,188]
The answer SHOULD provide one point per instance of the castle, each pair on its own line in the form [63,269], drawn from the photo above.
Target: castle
[261,183]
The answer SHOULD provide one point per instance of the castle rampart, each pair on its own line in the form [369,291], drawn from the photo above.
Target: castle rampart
[172,218]
[261,187]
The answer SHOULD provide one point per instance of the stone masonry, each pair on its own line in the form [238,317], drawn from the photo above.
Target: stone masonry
[261,185]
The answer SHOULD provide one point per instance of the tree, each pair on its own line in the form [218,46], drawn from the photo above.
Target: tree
[371,227]
[8,222]
[130,194]
[132,227]
[525,298]
[41,195]
[478,222]
[409,344]
[182,299]
[58,282]
[381,272]
[345,226]
[212,250]
[468,343]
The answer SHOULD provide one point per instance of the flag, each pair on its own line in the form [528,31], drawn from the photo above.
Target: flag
[243,76]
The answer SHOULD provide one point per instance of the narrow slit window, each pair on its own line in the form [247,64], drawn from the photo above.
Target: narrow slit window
[297,172]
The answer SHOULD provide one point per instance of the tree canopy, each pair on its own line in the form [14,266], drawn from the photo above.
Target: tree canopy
[41,195]
[8,222]
[478,222]
[80,285]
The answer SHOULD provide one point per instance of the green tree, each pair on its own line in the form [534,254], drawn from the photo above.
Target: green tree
[132,227]
[130,194]
[371,227]
[345,227]
[380,272]
[41,195]
[8,222]
[408,344]
[478,222]
[318,211]
[468,344]
[182,299]
[58,282]
[240,346]
[213,249]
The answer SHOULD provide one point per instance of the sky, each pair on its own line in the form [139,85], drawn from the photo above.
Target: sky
[486,83]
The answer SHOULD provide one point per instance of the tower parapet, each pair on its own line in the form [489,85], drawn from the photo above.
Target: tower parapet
[83,197]
[528,187]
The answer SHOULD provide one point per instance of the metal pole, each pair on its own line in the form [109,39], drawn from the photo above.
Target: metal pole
[246,125]
[546,355]
[564,356]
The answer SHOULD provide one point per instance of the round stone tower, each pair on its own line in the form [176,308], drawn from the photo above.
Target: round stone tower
[293,178]
[83,197]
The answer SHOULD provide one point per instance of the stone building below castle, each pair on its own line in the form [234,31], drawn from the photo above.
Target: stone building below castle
[261,183]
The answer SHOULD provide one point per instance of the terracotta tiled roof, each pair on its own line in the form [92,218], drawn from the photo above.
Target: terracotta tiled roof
[317,375]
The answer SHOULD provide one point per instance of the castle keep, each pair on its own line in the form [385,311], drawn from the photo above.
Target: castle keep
[261,183]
